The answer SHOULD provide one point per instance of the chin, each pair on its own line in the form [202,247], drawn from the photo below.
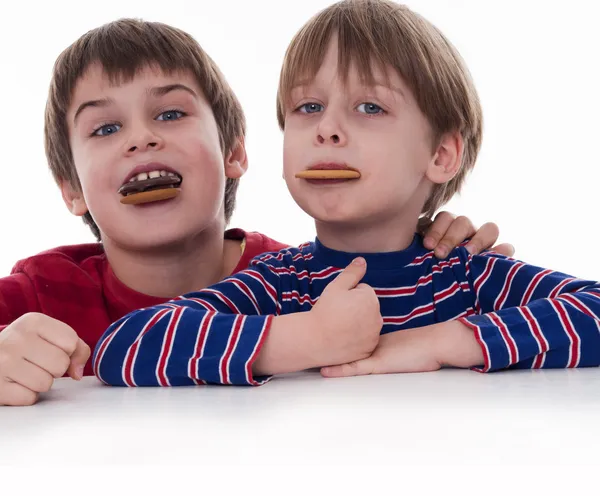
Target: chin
[153,238]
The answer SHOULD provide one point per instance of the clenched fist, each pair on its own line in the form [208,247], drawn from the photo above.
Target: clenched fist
[34,350]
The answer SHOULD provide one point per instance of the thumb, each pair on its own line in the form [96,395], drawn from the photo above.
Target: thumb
[78,360]
[351,275]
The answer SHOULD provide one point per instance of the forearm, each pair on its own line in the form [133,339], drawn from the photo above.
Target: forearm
[177,346]
[455,345]
[559,332]
[289,346]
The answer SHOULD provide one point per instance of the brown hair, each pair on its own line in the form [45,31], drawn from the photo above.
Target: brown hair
[123,48]
[391,35]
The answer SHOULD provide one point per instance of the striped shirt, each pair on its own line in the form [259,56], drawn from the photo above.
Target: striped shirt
[522,316]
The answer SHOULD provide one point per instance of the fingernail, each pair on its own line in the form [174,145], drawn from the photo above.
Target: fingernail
[442,251]
[358,261]
[429,242]
[470,248]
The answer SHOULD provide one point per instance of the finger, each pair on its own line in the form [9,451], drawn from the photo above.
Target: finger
[30,376]
[78,360]
[505,249]
[56,332]
[460,229]
[483,239]
[436,231]
[360,367]
[48,357]
[14,394]
[350,276]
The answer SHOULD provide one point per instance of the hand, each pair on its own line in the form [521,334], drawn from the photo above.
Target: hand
[34,350]
[446,232]
[346,318]
[401,351]
[423,349]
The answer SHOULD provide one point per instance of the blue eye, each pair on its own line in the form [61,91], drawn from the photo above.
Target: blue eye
[310,108]
[370,108]
[170,115]
[106,130]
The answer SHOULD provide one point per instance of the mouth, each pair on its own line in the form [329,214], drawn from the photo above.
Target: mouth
[329,173]
[147,184]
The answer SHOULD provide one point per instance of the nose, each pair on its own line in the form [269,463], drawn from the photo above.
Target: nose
[330,130]
[143,138]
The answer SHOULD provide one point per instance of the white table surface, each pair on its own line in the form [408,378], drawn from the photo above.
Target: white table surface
[450,416]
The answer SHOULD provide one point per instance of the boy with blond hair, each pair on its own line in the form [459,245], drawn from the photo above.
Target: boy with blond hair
[381,123]
[134,109]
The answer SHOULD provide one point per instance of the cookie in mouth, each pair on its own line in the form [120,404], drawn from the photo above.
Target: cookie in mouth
[150,186]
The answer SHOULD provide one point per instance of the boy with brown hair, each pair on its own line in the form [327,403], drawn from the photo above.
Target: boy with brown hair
[134,109]
[381,123]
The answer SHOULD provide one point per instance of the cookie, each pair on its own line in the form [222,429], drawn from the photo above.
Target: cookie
[328,174]
[150,196]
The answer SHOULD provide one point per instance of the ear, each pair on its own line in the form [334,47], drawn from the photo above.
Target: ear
[236,162]
[73,199]
[447,159]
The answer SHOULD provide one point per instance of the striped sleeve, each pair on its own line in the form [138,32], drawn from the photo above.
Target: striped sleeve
[529,317]
[211,336]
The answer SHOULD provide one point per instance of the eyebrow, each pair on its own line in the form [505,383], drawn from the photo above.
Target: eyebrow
[156,92]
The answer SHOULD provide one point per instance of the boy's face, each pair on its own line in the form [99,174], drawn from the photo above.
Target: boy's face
[379,131]
[157,119]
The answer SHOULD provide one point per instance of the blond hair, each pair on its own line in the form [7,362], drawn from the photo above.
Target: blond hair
[123,48]
[391,35]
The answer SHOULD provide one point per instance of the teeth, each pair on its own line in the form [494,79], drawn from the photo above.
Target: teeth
[142,176]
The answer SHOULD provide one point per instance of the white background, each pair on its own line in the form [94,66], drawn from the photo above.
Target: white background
[535,66]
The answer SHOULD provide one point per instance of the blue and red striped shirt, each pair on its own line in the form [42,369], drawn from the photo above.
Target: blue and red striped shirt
[522,316]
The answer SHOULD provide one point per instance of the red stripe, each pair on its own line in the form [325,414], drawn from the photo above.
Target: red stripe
[404,290]
[291,295]
[230,347]
[538,362]
[509,279]
[557,289]
[486,354]
[203,304]
[543,345]
[268,288]
[421,259]
[532,285]
[574,301]
[224,299]
[252,359]
[103,347]
[437,297]
[199,349]
[131,353]
[248,292]
[167,346]
[414,314]
[568,326]
[486,273]
[508,339]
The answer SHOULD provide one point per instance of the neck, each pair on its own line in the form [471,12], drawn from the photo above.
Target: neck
[394,234]
[171,271]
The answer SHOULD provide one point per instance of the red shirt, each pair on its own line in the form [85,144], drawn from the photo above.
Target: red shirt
[76,285]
